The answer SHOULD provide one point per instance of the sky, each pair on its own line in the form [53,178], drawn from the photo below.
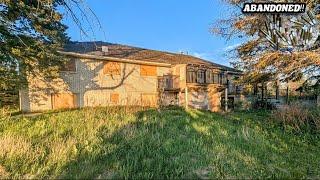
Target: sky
[166,25]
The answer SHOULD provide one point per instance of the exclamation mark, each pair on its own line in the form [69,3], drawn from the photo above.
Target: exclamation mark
[303,6]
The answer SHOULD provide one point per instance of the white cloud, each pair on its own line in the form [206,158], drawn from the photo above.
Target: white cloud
[213,57]
[201,55]
[231,47]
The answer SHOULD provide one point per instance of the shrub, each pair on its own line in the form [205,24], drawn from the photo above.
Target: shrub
[298,118]
[5,113]
[263,104]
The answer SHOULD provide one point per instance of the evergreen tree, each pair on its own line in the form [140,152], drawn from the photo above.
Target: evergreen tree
[31,33]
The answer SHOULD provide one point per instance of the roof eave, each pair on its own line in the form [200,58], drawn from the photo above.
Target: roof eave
[106,58]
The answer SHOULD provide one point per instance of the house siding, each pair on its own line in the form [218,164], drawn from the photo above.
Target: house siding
[92,86]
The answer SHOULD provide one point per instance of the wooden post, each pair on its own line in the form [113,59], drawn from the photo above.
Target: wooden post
[256,90]
[277,90]
[287,94]
[262,91]
[179,95]
[226,99]
[186,97]
[266,91]
[266,95]
[20,101]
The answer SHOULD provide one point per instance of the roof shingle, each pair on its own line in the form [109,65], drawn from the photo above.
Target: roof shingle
[135,53]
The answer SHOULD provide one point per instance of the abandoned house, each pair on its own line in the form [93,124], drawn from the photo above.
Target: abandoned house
[104,74]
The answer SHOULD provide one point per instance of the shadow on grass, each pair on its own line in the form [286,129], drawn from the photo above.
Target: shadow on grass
[174,143]
[156,145]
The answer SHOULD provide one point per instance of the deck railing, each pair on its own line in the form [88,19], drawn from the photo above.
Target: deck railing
[234,89]
[168,82]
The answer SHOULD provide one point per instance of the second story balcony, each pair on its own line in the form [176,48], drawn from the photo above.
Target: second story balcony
[169,83]
[205,76]
[234,89]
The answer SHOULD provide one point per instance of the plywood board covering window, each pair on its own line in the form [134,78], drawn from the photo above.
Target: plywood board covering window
[146,70]
[114,97]
[64,101]
[149,100]
[112,68]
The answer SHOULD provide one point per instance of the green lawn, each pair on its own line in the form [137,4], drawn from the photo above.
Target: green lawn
[173,143]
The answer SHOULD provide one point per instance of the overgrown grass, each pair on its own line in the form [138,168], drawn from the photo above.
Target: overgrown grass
[298,118]
[123,142]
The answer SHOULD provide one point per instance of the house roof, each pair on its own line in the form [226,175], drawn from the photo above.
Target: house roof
[140,54]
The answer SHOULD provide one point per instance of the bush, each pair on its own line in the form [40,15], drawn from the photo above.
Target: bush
[263,104]
[298,118]
[5,113]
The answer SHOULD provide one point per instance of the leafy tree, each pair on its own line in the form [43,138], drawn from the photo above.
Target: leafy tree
[31,33]
[257,56]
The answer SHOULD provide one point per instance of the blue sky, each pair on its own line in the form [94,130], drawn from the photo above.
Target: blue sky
[167,25]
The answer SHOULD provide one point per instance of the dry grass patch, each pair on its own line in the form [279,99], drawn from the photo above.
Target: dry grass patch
[298,118]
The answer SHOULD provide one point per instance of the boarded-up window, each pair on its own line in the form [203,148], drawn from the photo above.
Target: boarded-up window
[201,76]
[112,68]
[70,65]
[216,78]
[64,101]
[114,97]
[149,100]
[223,79]
[148,70]
[191,76]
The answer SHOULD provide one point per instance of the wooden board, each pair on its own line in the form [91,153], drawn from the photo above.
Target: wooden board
[114,97]
[148,70]
[112,68]
[150,100]
[64,101]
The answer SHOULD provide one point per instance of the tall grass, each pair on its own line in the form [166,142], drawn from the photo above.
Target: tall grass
[140,143]
[298,118]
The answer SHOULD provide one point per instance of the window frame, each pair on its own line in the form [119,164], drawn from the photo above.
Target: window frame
[70,71]
[191,76]
[201,76]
